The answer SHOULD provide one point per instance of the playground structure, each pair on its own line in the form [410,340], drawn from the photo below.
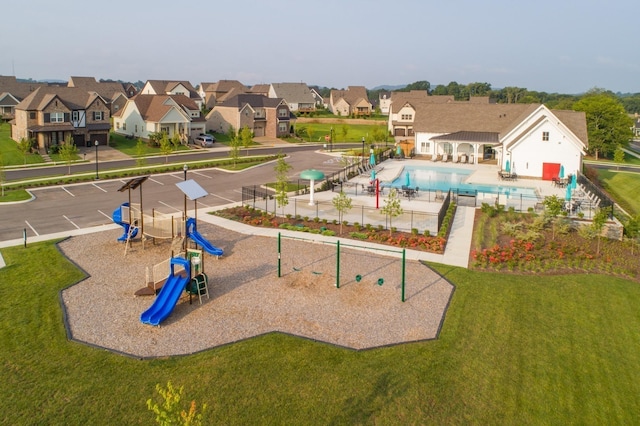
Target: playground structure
[168,297]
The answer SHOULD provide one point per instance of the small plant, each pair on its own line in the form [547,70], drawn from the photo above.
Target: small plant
[316,219]
[394,229]
[345,222]
[380,228]
[414,231]
[171,411]
[306,218]
[358,235]
[288,215]
[426,233]
[324,221]
[334,221]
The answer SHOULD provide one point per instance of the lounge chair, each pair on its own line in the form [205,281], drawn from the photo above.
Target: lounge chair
[439,195]
[445,157]
[463,158]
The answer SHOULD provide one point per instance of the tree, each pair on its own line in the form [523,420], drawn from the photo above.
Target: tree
[246,136]
[342,203]
[165,147]
[344,130]
[234,149]
[24,146]
[68,151]
[379,134]
[552,208]
[141,151]
[282,169]
[597,224]
[175,141]
[392,206]
[618,157]
[608,125]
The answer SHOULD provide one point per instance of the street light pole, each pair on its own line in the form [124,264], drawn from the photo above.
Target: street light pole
[184,169]
[363,149]
[96,144]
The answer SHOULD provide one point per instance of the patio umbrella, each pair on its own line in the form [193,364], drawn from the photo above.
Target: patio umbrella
[407,180]
[561,174]
[372,158]
[568,194]
[507,166]
[574,184]
[312,175]
[373,175]
[399,151]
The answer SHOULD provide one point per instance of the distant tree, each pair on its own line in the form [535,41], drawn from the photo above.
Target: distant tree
[175,141]
[632,231]
[166,148]
[246,136]
[608,125]
[309,132]
[342,203]
[631,103]
[141,151]
[478,89]
[231,132]
[597,224]
[24,146]
[68,152]
[418,85]
[618,157]
[234,148]
[344,129]
[379,133]
[282,169]
[392,206]
[553,206]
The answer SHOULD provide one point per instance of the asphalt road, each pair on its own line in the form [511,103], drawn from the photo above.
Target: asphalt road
[69,207]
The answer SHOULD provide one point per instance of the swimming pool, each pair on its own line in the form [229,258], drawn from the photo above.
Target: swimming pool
[445,178]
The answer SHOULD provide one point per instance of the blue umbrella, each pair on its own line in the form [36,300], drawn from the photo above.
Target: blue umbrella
[407,181]
[373,175]
[507,167]
[561,174]
[398,151]
[574,184]
[568,194]
[372,159]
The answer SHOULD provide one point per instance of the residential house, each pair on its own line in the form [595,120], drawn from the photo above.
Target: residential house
[402,109]
[260,89]
[213,93]
[635,129]
[12,92]
[171,114]
[264,116]
[384,101]
[172,87]
[533,139]
[115,93]
[298,96]
[353,101]
[51,114]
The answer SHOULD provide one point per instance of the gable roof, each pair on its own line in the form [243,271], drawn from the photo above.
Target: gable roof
[352,95]
[253,100]
[294,92]
[109,90]
[261,89]
[72,97]
[18,89]
[154,107]
[162,87]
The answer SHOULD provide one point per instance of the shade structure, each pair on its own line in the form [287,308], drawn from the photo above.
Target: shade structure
[568,194]
[372,159]
[507,166]
[574,183]
[407,179]
[312,175]
[561,174]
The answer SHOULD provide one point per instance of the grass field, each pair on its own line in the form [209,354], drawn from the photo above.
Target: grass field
[512,350]
[354,132]
[620,185]
[11,155]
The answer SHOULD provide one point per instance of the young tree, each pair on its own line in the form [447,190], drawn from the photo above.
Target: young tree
[24,146]
[175,141]
[165,147]
[172,410]
[552,208]
[345,131]
[309,132]
[342,203]
[392,206]
[608,125]
[141,151]
[282,169]
[597,224]
[234,149]
[246,136]
[618,157]
[68,152]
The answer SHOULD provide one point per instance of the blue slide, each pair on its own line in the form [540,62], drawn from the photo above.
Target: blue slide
[193,233]
[117,218]
[169,294]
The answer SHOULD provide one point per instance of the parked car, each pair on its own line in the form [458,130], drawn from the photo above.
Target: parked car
[205,141]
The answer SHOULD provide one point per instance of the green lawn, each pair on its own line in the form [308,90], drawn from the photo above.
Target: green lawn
[11,155]
[621,185]
[513,350]
[355,132]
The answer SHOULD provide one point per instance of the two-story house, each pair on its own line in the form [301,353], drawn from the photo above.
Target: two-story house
[353,101]
[171,114]
[298,96]
[264,116]
[402,109]
[213,93]
[172,87]
[115,93]
[51,114]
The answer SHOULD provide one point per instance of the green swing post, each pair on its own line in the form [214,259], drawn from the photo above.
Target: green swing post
[338,264]
[404,257]
[279,270]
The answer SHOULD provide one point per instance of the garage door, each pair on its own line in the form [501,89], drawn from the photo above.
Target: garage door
[550,170]
[100,137]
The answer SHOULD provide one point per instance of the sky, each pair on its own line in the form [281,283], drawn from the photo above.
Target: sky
[560,46]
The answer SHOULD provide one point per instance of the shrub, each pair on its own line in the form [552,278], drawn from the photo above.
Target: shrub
[359,235]
[414,231]
[328,233]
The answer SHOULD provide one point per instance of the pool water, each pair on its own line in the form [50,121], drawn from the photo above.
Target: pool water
[442,178]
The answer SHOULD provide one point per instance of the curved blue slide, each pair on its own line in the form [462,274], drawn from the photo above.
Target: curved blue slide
[169,294]
[193,233]
[117,218]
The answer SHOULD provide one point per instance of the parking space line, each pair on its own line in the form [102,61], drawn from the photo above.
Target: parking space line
[223,198]
[101,189]
[203,204]
[105,215]
[67,191]
[158,182]
[181,177]
[171,207]
[32,228]
[203,175]
[71,222]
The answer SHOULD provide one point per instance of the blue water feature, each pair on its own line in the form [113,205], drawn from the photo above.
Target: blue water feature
[445,178]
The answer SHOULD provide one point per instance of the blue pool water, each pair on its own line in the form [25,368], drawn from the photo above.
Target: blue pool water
[443,178]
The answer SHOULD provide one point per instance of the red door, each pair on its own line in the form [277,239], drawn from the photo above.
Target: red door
[550,170]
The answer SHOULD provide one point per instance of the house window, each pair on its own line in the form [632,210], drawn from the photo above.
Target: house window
[124,126]
[98,115]
[283,127]
[32,115]
[545,136]
[117,125]
[425,146]
[136,128]
[56,117]
[408,117]
[75,116]
[283,112]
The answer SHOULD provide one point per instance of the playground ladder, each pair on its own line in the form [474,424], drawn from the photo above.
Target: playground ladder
[132,231]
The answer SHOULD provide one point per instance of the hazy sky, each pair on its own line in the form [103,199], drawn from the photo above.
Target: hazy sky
[564,46]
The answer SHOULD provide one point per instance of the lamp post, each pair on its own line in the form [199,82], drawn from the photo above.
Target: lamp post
[184,169]
[363,149]
[331,140]
[96,143]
